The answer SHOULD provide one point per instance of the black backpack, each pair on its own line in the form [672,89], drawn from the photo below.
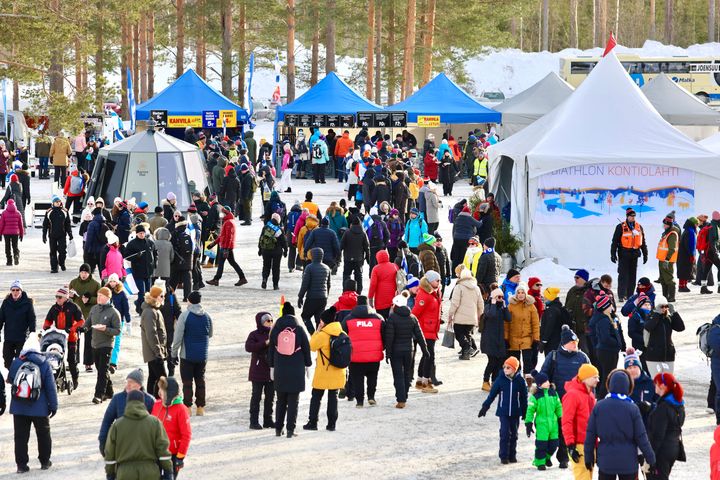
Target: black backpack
[340,351]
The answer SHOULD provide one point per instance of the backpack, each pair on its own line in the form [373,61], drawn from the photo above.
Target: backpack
[702,333]
[268,241]
[76,184]
[254,183]
[291,162]
[286,342]
[317,152]
[414,190]
[400,280]
[451,215]
[378,232]
[340,351]
[302,147]
[27,382]
[292,219]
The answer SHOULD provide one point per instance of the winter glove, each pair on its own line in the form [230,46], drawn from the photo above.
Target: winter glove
[178,463]
[110,476]
[259,253]
[645,408]
[174,361]
[529,429]
[167,475]
[541,347]
[641,460]
[70,238]
[665,264]
[536,345]
[589,465]
[613,258]
[52,413]
[285,253]
[300,302]
[483,411]
[574,454]
[447,281]
[44,239]
[2,404]
[644,259]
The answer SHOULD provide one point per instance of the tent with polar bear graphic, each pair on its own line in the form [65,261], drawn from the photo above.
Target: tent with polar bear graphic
[570,176]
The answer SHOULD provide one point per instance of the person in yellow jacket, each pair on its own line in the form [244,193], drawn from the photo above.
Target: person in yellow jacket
[327,376]
[667,253]
[472,254]
[522,332]
[311,223]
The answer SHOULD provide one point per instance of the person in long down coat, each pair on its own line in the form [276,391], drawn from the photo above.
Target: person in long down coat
[686,254]
[288,370]
[258,343]
[665,426]
[492,338]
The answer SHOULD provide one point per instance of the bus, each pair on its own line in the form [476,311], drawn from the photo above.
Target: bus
[698,75]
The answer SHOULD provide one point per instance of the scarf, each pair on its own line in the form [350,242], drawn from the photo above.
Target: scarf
[619,396]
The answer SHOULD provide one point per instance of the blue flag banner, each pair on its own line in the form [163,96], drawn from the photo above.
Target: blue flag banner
[131,99]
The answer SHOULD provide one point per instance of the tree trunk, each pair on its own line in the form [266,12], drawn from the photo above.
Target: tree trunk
[291,50]
[136,61]
[242,53]
[226,48]
[329,36]
[142,51]
[602,22]
[573,23]
[617,19]
[315,55]
[651,16]
[180,40]
[200,51]
[125,54]
[150,55]
[370,50]
[378,54]
[16,94]
[595,23]
[409,55]
[391,57]
[55,72]
[669,8]
[78,64]
[99,62]
[545,24]
[711,21]
[428,44]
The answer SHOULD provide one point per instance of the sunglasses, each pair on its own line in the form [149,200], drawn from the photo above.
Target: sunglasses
[664,306]
[15,290]
[59,296]
[269,320]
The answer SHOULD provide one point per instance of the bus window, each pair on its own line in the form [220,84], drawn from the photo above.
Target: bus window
[632,67]
[678,67]
[582,68]
[651,67]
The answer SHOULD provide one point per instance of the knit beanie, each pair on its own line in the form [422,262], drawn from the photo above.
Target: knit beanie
[85,268]
[632,358]
[16,284]
[349,285]
[432,276]
[412,282]
[551,293]
[539,378]
[587,370]
[582,273]
[532,281]
[659,302]
[136,376]
[567,335]
[513,362]
[135,396]
[602,302]
[62,292]
[511,273]
[521,286]
[195,297]
[490,242]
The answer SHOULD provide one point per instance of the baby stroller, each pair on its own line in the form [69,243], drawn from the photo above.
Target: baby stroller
[53,343]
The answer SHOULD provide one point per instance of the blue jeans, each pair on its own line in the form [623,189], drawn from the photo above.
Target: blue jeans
[143,285]
[44,165]
[340,169]
[508,436]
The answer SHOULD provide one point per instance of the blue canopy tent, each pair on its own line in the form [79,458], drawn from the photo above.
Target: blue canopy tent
[186,99]
[332,96]
[444,98]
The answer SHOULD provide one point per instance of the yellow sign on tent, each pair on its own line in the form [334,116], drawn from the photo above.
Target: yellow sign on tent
[428,120]
[184,121]
[230,117]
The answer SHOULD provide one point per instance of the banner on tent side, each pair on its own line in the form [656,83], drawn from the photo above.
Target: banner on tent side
[598,194]
[428,121]
[183,121]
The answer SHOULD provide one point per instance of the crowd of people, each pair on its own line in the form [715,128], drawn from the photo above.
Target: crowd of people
[582,409]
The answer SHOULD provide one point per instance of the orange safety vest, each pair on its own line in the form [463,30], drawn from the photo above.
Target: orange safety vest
[631,238]
[662,249]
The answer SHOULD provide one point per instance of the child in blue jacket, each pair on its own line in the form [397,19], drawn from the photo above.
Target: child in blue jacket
[513,392]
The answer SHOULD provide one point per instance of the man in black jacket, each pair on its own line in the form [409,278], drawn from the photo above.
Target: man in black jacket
[314,289]
[17,315]
[327,240]
[246,194]
[356,251]
[141,253]
[182,262]
[56,225]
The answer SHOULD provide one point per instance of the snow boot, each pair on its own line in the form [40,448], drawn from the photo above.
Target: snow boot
[419,384]
[241,281]
[705,291]
[400,405]
[276,286]
[310,426]
[671,294]
[465,356]
[541,467]
[200,411]
[263,285]
[434,379]
[9,262]
[486,386]
[268,423]
[428,388]
[213,282]
[255,426]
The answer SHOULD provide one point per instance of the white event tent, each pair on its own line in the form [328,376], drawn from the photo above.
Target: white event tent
[605,124]
[529,105]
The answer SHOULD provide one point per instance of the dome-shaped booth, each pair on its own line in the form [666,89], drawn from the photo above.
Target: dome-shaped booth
[148,166]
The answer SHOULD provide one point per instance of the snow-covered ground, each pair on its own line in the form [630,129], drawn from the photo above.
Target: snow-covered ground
[436,436]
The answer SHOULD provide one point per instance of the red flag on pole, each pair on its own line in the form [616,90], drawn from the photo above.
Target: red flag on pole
[610,44]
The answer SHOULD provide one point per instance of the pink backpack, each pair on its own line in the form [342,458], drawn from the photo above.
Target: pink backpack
[286,342]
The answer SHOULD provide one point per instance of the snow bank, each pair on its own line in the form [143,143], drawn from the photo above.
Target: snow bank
[549,272]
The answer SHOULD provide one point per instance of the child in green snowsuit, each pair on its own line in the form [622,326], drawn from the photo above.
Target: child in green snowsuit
[545,409]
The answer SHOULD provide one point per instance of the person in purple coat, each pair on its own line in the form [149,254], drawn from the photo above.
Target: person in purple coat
[258,343]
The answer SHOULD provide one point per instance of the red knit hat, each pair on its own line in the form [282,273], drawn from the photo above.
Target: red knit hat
[532,281]
[14,178]
[466,208]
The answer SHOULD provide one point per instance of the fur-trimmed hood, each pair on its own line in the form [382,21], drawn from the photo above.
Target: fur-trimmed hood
[529,300]
[152,302]
[425,285]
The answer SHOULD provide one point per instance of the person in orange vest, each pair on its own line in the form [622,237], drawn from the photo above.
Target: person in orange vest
[667,253]
[628,243]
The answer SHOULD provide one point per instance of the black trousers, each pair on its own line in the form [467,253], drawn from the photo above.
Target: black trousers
[58,252]
[432,227]
[612,476]
[525,356]
[87,349]
[73,356]
[103,384]
[355,269]
[492,370]
[427,361]
[318,172]
[332,411]
[177,276]
[21,424]
[286,403]
[607,363]
[60,173]
[463,334]
[156,369]
[11,247]
[76,203]
[230,259]
[197,275]
[292,251]
[313,307]
[402,370]
[358,373]
[10,351]
[193,372]
[271,263]
[258,388]
[457,253]
[627,272]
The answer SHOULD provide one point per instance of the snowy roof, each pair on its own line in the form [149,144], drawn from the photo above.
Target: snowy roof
[677,105]
[531,104]
[606,120]
[150,142]
[441,96]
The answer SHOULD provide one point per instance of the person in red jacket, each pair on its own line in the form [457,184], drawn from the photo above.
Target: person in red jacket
[226,242]
[578,402]
[348,299]
[431,165]
[365,329]
[12,230]
[175,417]
[382,283]
[715,456]
[427,311]
[74,190]
[66,316]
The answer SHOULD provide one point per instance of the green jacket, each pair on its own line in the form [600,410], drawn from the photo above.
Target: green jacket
[80,286]
[545,409]
[136,444]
